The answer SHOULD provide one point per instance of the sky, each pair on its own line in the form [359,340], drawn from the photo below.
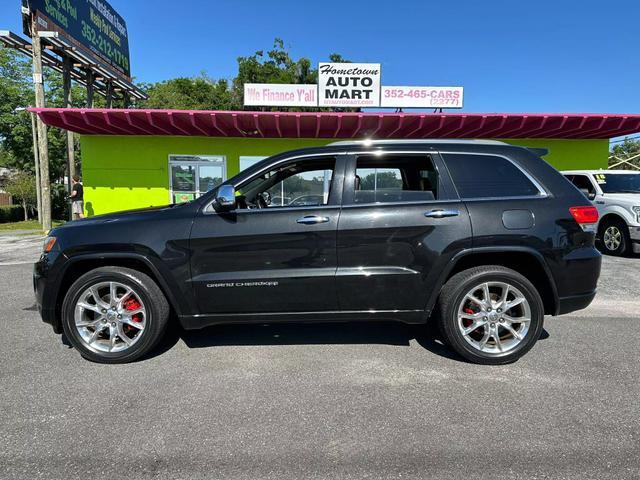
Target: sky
[510,56]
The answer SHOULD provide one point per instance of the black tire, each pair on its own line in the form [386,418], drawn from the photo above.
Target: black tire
[453,294]
[157,313]
[614,225]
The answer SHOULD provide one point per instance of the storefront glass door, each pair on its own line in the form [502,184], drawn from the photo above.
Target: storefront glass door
[192,176]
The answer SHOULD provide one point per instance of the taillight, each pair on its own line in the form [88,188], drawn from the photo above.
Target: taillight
[587,217]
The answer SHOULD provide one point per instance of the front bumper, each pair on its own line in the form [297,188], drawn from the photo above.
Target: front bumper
[634,235]
[45,297]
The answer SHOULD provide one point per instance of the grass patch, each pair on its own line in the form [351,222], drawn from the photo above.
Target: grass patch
[28,225]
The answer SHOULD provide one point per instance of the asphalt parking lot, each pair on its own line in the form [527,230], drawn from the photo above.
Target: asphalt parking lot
[335,401]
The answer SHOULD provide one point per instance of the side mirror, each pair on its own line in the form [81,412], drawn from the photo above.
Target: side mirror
[591,196]
[225,199]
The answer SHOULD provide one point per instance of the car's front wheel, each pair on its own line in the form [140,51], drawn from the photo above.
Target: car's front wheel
[114,314]
[490,314]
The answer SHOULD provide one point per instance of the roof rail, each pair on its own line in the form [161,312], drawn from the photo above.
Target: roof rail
[416,141]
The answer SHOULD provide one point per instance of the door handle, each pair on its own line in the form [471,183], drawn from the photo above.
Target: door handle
[441,213]
[312,220]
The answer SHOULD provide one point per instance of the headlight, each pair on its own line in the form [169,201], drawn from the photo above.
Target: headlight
[49,242]
[636,209]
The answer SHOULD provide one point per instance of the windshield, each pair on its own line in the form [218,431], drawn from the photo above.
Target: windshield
[618,182]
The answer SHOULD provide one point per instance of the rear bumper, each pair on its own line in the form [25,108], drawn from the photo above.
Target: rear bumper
[575,302]
[576,279]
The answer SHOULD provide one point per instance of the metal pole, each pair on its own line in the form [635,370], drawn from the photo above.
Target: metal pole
[43,147]
[71,160]
[109,94]
[89,88]
[36,158]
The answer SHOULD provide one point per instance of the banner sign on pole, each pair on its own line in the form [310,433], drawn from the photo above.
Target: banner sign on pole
[280,95]
[91,26]
[421,97]
[349,85]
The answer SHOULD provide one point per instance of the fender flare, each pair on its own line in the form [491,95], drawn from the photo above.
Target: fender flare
[179,307]
[435,293]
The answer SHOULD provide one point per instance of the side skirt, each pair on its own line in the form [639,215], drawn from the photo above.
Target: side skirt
[194,322]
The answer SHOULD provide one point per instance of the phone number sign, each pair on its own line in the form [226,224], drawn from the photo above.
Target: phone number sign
[421,97]
[92,26]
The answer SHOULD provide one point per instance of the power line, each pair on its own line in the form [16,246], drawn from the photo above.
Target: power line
[624,139]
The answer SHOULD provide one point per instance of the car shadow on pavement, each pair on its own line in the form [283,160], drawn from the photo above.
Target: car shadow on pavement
[356,333]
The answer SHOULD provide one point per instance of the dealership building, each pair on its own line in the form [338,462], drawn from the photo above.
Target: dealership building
[141,158]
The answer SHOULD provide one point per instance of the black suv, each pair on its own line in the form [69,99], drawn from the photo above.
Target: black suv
[482,237]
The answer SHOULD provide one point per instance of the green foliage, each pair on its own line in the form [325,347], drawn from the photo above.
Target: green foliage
[198,93]
[11,213]
[626,150]
[59,203]
[22,188]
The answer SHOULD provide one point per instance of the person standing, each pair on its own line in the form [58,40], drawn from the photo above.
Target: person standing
[77,198]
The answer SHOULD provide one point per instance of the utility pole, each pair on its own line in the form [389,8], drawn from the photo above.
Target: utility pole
[36,158]
[71,160]
[90,88]
[109,96]
[43,147]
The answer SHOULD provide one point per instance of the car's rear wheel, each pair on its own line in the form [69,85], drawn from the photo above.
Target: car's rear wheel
[614,237]
[114,314]
[490,314]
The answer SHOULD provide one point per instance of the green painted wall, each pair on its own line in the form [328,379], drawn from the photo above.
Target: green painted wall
[125,172]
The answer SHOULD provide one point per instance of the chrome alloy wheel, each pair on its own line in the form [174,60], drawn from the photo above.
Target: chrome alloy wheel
[110,317]
[494,317]
[612,238]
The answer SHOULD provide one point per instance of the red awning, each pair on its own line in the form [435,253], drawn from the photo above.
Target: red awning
[339,125]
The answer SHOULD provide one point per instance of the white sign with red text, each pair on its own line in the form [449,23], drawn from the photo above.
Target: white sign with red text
[280,95]
[421,97]
[349,85]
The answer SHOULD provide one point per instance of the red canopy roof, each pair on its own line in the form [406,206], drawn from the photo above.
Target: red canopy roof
[340,125]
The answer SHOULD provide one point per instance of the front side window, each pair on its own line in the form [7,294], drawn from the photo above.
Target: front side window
[395,178]
[618,182]
[303,183]
[487,176]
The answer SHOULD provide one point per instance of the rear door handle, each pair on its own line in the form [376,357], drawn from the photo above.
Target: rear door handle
[441,213]
[312,220]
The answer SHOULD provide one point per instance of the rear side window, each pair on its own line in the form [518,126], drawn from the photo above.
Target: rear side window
[487,176]
[395,178]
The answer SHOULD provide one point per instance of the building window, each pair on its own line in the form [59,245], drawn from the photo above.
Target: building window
[191,176]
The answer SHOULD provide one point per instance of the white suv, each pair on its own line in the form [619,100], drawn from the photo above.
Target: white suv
[616,195]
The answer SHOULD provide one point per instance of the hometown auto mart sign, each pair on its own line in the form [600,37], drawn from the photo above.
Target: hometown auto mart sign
[351,85]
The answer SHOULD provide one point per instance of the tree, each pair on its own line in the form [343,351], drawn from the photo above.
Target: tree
[626,150]
[197,93]
[22,187]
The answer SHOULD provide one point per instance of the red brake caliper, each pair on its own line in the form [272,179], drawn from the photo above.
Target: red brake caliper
[467,322]
[131,305]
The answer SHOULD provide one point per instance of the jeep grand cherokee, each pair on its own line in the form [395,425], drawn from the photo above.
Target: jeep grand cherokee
[481,237]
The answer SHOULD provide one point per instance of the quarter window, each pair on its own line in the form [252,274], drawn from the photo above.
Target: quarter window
[395,178]
[487,176]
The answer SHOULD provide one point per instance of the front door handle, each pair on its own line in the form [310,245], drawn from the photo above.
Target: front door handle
[441,213]
[312,220]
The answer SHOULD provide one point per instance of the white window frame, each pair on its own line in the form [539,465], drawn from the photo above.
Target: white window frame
[197,161]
